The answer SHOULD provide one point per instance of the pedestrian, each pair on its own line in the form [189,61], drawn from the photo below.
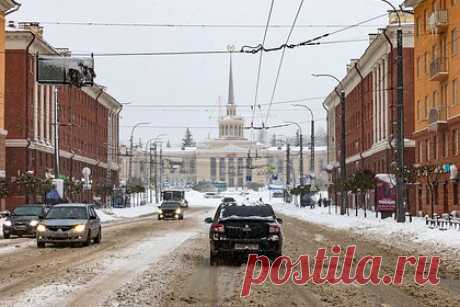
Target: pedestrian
[320,201]
[53,197]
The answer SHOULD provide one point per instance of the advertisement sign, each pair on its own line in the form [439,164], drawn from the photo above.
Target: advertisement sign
[385,197]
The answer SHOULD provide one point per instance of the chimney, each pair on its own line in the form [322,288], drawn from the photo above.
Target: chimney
[33,27]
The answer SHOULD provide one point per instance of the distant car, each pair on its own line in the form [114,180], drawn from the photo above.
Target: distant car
[243,229]
[211,195]
[278,195]
[175,195]
[172,210]
[70,223]
[228,200]
[23,220]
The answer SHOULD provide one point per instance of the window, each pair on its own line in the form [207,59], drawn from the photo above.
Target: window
[417,27]
[418,110]
[426,108]
[455,141]
[455,92]
[454,44]
[446,144]
[418,67]
[425,59]
[420,152]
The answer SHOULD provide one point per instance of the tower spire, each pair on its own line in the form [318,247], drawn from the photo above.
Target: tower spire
[231,94]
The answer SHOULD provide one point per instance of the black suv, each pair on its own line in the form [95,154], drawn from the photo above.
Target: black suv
[243,229]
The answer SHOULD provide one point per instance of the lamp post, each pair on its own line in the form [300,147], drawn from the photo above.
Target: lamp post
[343,165]
[301,151]
[312,138]
[131,146]
[400,184]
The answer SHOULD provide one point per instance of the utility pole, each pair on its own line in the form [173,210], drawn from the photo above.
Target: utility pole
[161,169]
[288,169]
[343,156]
[155,172]
[150,172]
[312,147]
[302,182]
[56,133]
[400,184]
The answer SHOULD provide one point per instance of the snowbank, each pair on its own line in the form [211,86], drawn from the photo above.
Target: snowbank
[388,230]
[111,214]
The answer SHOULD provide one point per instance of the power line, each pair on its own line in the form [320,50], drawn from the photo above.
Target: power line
[211,26]
[262,48]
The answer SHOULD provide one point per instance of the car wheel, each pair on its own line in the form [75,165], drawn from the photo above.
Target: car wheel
[6,236]
[159,218]
[88,240]
[181,217]
[41,244]
[99,237]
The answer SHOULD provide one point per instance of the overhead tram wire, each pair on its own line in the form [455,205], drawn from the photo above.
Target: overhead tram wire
[259,70]
[262,48]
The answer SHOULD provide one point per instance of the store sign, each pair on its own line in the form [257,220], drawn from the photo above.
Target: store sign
[385,197]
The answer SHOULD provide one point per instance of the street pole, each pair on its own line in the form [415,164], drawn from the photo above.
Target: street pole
[161,170]
[302,182]
[155,179]
[343,156]
[400,184]
[288,169]
[343,164]
[150,173]
[131,149]
[312,147]
[56,133]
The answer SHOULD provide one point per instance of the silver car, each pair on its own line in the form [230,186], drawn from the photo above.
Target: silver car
[69,223]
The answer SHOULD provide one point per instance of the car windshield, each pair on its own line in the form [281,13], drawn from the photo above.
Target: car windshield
[28,211]
[169,205]
[74,213]
[229,200]
[247,211]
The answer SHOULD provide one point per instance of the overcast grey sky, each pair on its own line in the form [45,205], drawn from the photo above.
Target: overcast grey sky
[201,79]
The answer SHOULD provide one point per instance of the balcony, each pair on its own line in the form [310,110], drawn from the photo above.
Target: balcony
[438,22]
[438,117]
[438,69]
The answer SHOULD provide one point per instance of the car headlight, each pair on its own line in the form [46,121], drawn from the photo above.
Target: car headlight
[41,228]
[160,211]
[33,223]
[178,211]
[7,223]
[79,228]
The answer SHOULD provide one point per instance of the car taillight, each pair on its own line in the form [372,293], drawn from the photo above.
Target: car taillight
[217,227]
[274,229]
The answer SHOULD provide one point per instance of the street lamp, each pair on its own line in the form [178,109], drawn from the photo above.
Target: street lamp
[400,184]
[312,138]
[343,165]
[131,145]
[301,151]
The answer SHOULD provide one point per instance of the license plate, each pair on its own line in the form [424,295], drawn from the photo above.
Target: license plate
[240,246]
[21,227]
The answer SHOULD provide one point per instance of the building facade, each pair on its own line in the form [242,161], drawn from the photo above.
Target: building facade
[231,158]
[437,100]
[88,118]
[370,87]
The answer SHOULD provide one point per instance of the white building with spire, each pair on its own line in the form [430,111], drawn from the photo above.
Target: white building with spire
[231,158]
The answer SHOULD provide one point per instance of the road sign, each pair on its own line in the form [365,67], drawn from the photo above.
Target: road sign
[65,70]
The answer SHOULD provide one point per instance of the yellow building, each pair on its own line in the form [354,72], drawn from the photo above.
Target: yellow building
[437,100]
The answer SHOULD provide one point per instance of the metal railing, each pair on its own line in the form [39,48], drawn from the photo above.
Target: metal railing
[438,68]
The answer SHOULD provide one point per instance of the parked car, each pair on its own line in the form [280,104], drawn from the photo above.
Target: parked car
[243,229]
[228,200]
[23,220]
[211,195]
[171,209]
[70,223]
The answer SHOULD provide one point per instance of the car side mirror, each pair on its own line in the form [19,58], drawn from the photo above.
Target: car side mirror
[279,220]
[93,217]
[208,220]
[41,216]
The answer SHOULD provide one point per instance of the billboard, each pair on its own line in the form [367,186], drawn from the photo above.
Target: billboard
[385,196]
[65,70]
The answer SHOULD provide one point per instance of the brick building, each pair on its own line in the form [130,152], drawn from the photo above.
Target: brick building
[89,119]
[370,87]
[437,100]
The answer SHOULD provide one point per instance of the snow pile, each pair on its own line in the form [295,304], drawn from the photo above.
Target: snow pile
[385,230]
[2,220]
[196,199]
[107,215]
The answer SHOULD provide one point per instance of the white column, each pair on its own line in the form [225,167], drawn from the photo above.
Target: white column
[47,116]
[386,86]
[42,113]
[52,120]
[374,106]
[35,111]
